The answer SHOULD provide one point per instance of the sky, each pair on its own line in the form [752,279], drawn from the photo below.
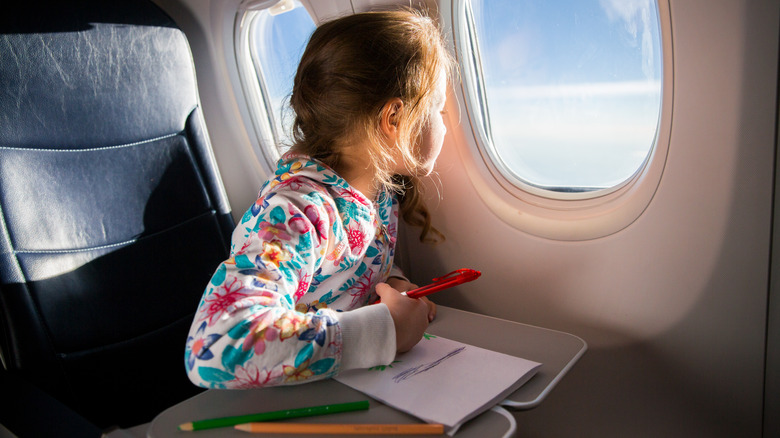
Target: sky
[573,87]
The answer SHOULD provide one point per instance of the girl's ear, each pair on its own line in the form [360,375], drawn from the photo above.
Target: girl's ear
[390,117]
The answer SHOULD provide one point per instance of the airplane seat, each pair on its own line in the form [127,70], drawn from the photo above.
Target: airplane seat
[112,213]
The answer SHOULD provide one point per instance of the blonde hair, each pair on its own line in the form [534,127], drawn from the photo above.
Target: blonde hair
[351,68]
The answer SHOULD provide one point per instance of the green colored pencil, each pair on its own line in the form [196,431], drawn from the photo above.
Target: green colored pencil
[275,415]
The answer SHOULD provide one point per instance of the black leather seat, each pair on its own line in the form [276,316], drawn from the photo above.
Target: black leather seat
[112,213]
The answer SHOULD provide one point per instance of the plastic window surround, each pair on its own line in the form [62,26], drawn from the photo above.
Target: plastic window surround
[553,215]
[252,86]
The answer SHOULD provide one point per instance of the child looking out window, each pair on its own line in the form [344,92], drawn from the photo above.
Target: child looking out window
[293,301]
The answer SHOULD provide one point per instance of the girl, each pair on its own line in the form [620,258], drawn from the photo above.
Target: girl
[291,303]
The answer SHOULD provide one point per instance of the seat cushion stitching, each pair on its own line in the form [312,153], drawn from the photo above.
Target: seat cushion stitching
[103,148]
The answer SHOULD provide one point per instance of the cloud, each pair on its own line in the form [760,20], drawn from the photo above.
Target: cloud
[635,15]
[595,89]
[631,12]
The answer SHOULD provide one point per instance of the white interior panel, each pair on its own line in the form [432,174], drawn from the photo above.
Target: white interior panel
[673,307]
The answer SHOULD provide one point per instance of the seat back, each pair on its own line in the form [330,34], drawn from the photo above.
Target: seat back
[112,212]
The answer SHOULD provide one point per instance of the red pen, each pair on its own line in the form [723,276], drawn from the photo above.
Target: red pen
[454,278]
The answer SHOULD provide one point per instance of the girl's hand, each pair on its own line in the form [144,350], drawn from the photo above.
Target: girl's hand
[410,316]
[402,285]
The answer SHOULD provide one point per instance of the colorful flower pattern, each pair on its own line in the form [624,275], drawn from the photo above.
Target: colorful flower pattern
[311,246]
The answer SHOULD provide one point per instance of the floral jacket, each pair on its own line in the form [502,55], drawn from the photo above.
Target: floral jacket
[290,304]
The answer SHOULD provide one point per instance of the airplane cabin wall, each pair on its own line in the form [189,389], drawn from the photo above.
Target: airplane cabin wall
[772,373]
[673,307]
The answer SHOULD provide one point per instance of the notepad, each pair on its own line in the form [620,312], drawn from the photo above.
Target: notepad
[443,381]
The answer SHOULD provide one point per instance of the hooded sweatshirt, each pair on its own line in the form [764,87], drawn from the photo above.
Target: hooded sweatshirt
[291,303]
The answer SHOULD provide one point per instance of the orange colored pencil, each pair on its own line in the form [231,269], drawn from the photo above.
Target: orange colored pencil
[343,429]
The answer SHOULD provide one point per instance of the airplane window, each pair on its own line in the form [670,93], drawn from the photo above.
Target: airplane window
[566,96]
[277,38]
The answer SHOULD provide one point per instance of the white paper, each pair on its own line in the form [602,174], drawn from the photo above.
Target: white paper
[443,381]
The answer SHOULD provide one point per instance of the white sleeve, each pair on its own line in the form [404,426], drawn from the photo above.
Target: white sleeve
[368,337]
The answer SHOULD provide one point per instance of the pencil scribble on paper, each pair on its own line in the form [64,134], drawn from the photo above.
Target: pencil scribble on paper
[424,367]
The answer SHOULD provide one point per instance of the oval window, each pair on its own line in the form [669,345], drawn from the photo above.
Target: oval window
[273,38]
[568,93]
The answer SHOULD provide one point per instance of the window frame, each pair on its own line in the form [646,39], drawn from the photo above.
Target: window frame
[538,211]
[253,84]
[253,88]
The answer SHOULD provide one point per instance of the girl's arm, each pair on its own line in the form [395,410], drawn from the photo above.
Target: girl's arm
[247,331]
